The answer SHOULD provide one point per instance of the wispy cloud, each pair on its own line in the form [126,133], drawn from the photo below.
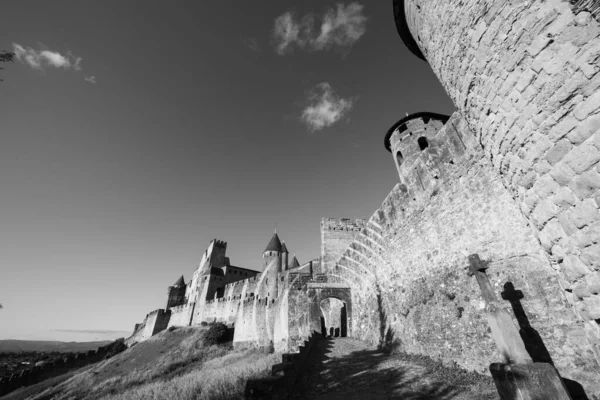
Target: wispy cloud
[45,58]
[324,107]
[39,59]
[340,28]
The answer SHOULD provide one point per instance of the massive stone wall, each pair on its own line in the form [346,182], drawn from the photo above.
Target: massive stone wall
[181,315]
[407,268]
[525,75]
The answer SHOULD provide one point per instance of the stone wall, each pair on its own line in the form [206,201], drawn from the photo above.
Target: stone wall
[336,235]
[525,75]
[181,315]
[407,268]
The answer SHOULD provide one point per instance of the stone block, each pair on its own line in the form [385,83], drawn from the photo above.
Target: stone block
[528,382]
[593,282]
[591,256]
[573,268]
[558,151]
[583,157]
[544,211]
[564,198]
[582,290]
[542,167]
[585,213]
[562,173]
[551,233]
[586,184]
[592,306]
[587,128]
[545,186]
[585,108]
[561,129]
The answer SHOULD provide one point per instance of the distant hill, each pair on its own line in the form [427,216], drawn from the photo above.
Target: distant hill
[174,365]
[15,346]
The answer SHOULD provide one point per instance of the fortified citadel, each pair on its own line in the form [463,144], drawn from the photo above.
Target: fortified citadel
[513,176]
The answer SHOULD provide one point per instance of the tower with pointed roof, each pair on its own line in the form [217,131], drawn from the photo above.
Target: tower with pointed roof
[272,265]
[284,256]
[176,293]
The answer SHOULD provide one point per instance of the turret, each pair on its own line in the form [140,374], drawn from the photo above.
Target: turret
[214,256]
[407,139]
[284,256]
[176,293]
[272,264]
[294,263]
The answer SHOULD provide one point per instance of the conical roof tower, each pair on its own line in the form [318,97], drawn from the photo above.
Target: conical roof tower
[274,244]
[179,282]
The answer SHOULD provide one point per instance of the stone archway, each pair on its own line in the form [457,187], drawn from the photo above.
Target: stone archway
[334,317]
[317,293]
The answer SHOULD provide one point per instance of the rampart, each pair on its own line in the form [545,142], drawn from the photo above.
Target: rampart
[525,75]
[181,315]
[59,367]
[407,268]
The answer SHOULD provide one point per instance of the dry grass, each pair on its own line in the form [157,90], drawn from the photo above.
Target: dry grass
[219,378]
[172,365]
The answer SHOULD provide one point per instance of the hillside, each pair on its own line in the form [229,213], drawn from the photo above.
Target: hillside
[173,365]
[16,346]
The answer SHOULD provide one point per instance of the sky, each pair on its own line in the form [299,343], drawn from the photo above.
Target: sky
[134,132]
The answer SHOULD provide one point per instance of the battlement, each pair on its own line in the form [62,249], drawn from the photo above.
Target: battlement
[219,243]
[182,307]
[343,224]
[414,124]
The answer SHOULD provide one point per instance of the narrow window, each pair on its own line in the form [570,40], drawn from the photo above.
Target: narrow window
[423,143]
[399,158]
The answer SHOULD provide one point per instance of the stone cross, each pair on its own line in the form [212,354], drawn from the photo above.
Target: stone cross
[477,268]
[504,331]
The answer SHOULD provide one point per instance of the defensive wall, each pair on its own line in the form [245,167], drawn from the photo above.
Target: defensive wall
[49,370]
[407,268]
[336,235]
[524,74]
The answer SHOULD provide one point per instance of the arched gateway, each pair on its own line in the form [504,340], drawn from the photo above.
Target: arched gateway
[317,292]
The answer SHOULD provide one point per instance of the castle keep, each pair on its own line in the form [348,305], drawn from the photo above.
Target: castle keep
[512,175]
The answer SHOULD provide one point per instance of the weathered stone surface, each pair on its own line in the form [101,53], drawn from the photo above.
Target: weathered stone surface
[562,173]
[574,268]
[556,153]
[582,290]
[591,256]
[585,213]
[593,282]
[592,306]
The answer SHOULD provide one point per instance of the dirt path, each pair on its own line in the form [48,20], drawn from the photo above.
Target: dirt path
[349,369]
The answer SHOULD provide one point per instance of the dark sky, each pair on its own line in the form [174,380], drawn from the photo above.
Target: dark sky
[193,130]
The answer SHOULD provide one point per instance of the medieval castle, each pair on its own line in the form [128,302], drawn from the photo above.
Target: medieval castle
[513,175]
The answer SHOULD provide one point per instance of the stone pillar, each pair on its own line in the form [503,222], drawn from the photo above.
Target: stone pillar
[524,74]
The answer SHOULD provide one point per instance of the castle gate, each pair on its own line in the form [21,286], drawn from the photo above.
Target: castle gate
[317,292]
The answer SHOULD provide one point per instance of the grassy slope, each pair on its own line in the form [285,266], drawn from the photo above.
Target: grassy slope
[171,365]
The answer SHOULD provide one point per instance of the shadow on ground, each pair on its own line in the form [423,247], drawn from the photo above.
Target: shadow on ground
[337,372]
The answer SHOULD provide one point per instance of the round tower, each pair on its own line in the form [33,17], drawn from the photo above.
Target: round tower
[525,76]
[272,265]
[407,139]
[284,256]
